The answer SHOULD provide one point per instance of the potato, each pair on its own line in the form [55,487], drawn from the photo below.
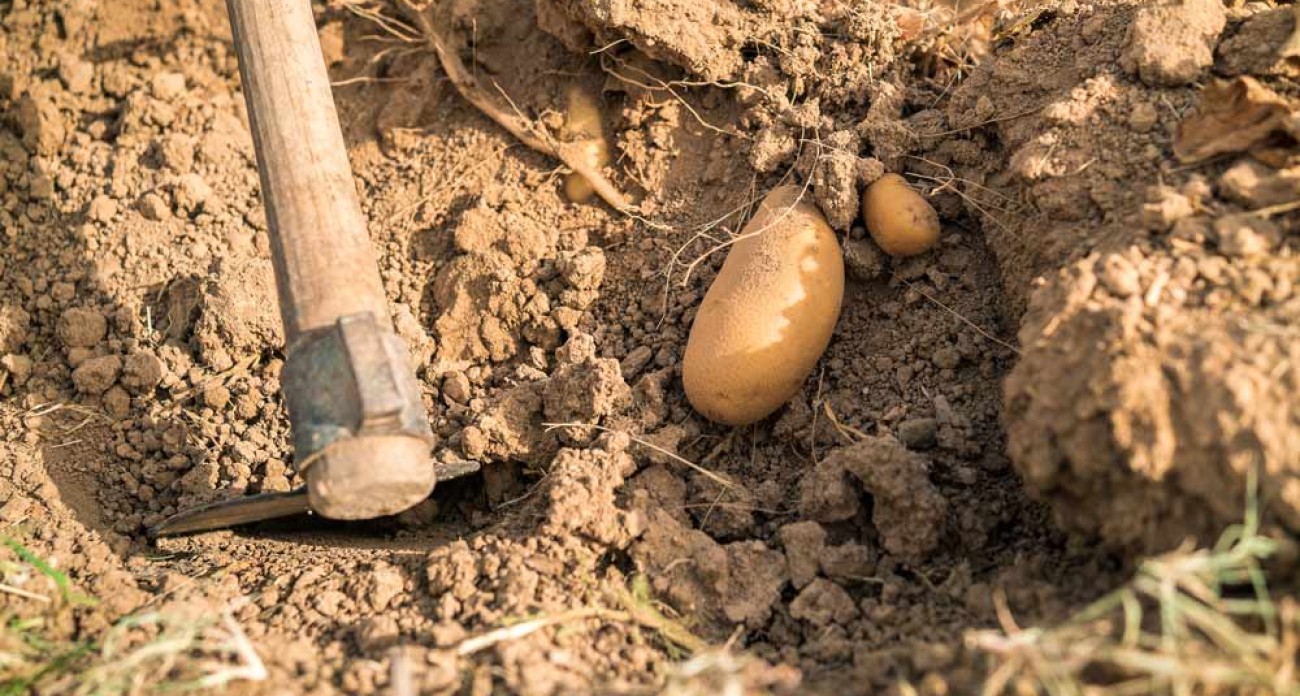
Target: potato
[769,314]
[901,221]
[582,125]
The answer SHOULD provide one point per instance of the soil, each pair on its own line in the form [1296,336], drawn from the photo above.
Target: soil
[1090,364]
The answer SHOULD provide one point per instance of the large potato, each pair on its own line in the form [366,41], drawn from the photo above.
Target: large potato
[768,316]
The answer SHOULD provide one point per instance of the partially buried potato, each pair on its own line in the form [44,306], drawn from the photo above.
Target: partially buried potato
[901,221]
[582,125]
[769,314]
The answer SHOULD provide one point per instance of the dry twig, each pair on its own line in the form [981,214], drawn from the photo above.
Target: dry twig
[467,85]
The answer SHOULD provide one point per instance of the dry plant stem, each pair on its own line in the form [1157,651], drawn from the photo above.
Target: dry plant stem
[959,316]
[645,619]
[1190,621]
[571,154]
[19,592]
[647,616]
[712,476]
[469,646]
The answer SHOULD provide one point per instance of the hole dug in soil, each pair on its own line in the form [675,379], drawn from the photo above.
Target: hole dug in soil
[1084,370]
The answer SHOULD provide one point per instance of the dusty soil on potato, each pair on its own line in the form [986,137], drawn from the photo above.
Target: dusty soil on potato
[1099,350]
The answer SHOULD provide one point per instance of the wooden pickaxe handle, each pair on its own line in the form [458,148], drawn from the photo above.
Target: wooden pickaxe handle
[361,433]
[324,264]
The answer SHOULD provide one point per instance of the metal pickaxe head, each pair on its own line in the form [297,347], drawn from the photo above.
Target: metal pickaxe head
[360,431]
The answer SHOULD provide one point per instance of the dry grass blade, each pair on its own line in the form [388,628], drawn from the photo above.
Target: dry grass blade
[469,646]
[1191,621]
[186,648]
[635,610]
[181,648]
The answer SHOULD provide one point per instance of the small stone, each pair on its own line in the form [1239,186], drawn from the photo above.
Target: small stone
[153,207]
[167,85]
[864,260]
[142,372]
[636,361]
[822,603]
[96,375]
[81,327]
[946,358]
[918,433]
[456,387]
[1246,235]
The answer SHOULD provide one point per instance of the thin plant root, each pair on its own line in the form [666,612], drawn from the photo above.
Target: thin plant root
[571,154]
[711,475]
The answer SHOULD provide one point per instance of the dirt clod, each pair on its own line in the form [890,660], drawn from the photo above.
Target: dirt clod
[907,510]
[96,375]
[822,603]
[1172,43]
[82,328]
[803,543]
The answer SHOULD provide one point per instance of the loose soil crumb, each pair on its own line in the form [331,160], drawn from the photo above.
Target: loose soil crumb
[1099,326]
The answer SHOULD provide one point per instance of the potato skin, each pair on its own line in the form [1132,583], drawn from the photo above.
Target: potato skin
[901,221]
[583,125]
[768,316]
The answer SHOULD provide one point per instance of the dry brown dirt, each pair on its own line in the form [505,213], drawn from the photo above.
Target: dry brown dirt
[1099,350]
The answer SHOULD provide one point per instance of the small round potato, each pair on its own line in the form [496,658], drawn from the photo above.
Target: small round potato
[901,221]
[768,316]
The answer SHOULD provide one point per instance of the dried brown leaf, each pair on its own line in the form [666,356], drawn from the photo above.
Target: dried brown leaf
[1234,116]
